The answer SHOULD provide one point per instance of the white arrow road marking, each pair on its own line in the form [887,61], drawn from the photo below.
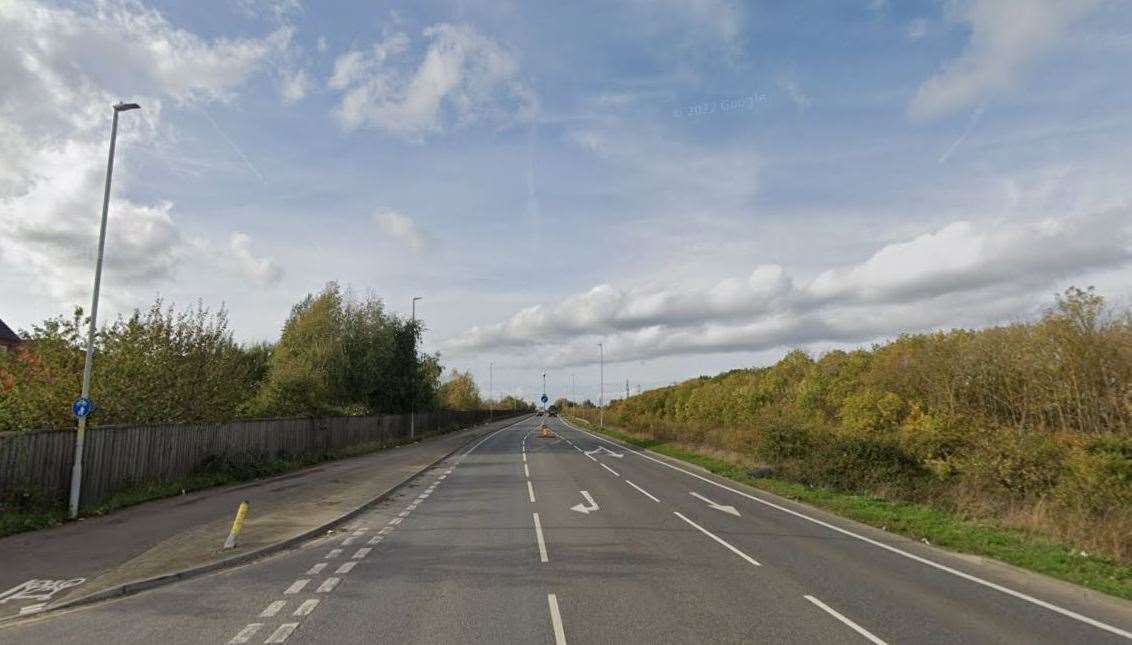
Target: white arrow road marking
[583,508]
[601,449]
[887,547]
[718,507]
[852,625]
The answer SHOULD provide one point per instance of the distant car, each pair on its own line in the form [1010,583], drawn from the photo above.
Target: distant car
[552,411]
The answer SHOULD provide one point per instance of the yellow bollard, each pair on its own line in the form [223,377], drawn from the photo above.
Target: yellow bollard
[241,514]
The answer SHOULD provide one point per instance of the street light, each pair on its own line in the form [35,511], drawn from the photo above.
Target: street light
[491,391]
[601,397]
[77,467]
[413,405]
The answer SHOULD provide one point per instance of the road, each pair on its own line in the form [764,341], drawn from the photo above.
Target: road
[523,539]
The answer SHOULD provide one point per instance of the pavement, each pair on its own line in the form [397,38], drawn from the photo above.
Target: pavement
[575,538]
[96,555]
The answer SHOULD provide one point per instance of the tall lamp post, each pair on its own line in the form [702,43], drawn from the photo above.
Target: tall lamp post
[491,391]
[83,407]
[413,407]
[544,389]
[601,397]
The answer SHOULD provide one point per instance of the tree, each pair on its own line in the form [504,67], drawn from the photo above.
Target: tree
[460,392]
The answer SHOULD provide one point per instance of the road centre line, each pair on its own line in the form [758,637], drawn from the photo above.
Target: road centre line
[531,491]
[374,540]
[642,491]
[246,633]
[333,553]
[556,619]
[361,553]
[527,470]
[272,609]
[524,456]
[328,585]
[541,542]
[610,470]
[306,608]
[281,634]
[316,569]
[348,541]
[719,539]
[297,586]
[346,567]
[891,549]
[852,625]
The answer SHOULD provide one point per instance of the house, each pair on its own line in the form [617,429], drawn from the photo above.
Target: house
[8,338]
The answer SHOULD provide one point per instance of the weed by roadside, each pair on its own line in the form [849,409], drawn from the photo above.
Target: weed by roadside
[918,521]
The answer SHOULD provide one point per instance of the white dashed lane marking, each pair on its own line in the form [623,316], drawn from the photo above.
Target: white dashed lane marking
[281,634]
[306,608]
[347,567]
[297,586]
[246,633]
[328,585]
[272,609]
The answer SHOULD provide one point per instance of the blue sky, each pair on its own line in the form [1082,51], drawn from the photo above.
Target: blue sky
[698,185]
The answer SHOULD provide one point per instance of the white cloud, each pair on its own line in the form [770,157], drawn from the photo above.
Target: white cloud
[74,63]
[260,270]
[1006,35]
[462,79]
[294,85]
[402,229]
[963,273]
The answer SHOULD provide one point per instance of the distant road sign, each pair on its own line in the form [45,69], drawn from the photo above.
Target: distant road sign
[545,398]
[82,407]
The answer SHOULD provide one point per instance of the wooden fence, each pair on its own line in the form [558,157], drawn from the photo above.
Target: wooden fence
[38,463]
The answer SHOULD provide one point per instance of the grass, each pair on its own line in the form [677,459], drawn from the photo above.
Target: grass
[28,516]
[918,521]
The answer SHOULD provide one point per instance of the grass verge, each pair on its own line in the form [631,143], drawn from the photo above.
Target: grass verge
[918,521]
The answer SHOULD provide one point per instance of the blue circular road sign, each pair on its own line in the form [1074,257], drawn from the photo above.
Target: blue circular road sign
[545,398]
[82,407]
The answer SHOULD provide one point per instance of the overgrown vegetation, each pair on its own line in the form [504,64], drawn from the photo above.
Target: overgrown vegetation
[1027,425]
[337,354]
[920,521]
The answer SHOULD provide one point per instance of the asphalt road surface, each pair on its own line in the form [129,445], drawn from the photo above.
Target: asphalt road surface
[524,539]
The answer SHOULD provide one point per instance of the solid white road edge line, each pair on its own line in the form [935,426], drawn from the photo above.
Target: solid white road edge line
[556,619]
[852,625]
[541,542]
[891,549]
[643,491]
[531,491]
[719,539]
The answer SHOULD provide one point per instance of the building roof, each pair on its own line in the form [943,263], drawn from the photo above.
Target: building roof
[6,333]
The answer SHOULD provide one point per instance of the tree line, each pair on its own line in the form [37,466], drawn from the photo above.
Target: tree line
[1028,423]
[337,354]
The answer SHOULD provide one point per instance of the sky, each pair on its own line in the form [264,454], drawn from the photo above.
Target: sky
[697,185]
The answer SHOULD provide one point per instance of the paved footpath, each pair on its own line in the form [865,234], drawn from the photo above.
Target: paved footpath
[575,539]
[177,533]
